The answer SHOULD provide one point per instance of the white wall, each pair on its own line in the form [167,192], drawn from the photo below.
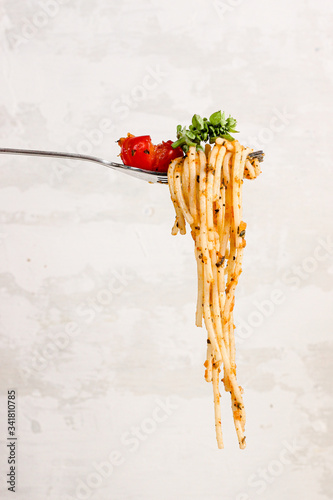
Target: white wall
[98,299]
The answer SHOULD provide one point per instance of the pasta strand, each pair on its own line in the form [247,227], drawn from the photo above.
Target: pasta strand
[206,190]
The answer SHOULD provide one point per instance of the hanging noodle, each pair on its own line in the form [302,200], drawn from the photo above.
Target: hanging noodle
[206,190]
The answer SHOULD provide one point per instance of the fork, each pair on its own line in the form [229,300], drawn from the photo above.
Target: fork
[146,175]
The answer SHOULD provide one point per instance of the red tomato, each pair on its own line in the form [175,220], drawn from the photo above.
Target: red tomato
[139,152]
[164,153]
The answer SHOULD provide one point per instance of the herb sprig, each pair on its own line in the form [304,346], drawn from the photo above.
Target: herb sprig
[204,130]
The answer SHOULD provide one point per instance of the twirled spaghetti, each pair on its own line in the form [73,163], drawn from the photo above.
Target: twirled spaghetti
[206,190]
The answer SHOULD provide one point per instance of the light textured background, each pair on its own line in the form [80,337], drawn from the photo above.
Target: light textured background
[98,300]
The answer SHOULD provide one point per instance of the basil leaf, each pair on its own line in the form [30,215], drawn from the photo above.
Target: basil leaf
[197,122]
[215,118]
[204,129]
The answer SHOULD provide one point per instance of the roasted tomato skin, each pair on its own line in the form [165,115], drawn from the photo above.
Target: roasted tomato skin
[140,152]
[164,154]
[137,151]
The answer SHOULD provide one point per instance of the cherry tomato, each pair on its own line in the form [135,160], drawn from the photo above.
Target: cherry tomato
[164,153]
[139,152]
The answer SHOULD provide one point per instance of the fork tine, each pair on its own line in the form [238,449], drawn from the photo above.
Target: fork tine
[162,179]
[135,172]
[257,154]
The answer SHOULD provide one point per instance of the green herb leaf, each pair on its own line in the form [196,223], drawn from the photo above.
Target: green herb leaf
[223,120]
[190,134]
[197,122]
[178,143]
[228,137]
[204,130]
[215,118]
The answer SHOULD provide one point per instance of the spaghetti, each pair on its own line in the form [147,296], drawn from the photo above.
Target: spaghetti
[206,190]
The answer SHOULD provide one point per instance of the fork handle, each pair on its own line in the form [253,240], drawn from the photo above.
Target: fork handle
[53,154]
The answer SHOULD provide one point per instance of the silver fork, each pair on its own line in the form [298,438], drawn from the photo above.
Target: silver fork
[146,175]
